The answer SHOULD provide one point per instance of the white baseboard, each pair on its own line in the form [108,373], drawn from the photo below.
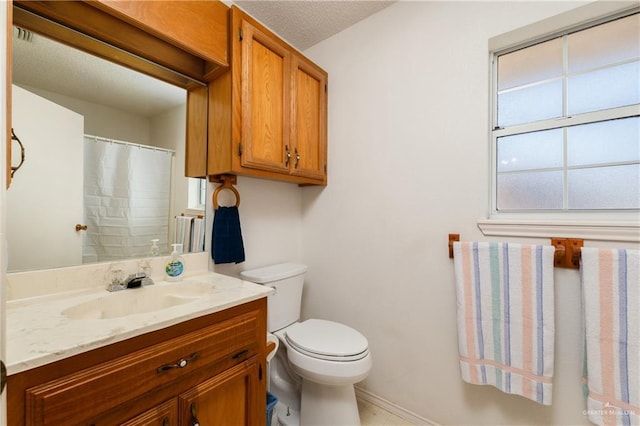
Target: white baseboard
[392,408]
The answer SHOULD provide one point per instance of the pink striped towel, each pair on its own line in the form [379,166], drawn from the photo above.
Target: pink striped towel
[611,295]
[506,317]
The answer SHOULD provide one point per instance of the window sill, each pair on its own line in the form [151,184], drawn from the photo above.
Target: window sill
[598,231]
[194,212]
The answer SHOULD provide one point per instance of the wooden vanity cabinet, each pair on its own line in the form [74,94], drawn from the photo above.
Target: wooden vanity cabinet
[210,370]
[165,414]
[268,112]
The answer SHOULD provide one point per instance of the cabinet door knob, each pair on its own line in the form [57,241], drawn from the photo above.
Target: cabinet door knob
[297,158]
[194,419]
[81,227]
[287,155]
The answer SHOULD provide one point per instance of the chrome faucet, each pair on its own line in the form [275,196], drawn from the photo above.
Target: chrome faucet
[136,280]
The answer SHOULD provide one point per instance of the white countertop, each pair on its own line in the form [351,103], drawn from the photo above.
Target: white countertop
[39,332]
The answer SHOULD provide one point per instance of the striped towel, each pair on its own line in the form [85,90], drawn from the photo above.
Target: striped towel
[505,317]
[611,293]
[197,234]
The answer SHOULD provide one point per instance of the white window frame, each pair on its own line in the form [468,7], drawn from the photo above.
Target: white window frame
[610,225]
[195,201]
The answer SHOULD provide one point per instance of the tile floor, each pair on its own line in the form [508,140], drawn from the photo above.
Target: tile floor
[372,415]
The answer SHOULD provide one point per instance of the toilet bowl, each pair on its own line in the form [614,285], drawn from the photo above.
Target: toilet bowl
[326,352]
[318,361]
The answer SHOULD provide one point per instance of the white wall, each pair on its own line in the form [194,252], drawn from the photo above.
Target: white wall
[270,219]
[408,164]
[104,121]
[168,131]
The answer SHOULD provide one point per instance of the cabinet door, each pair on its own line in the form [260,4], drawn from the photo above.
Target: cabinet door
[230,398]
[308,119]
[165,414]
[265,97]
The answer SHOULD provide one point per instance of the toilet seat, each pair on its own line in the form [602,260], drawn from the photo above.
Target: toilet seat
[327,340]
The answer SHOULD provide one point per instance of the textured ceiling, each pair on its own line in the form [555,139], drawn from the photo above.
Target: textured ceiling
[44,64]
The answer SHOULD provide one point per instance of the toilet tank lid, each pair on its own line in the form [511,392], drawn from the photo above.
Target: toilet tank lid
[272,273]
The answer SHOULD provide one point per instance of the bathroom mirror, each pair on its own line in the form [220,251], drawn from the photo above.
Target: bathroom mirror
[65,103]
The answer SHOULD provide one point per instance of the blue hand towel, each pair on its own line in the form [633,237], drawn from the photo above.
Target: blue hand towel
[226,242]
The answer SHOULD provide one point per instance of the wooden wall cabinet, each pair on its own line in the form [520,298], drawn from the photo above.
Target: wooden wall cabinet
[210,370]
[268,112]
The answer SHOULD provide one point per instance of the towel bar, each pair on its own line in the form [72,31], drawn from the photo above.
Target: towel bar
[567,253]
[452,239]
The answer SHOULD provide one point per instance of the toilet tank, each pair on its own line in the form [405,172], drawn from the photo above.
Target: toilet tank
[283,306]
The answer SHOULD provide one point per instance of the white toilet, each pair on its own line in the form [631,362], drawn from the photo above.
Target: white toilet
[317,362]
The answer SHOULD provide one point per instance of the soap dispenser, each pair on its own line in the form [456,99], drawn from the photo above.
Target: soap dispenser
[155,250]
[175,266]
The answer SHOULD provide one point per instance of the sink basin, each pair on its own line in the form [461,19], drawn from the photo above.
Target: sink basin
[137,301]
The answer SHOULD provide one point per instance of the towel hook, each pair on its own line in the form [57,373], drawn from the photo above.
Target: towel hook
[227,183]
[14,137]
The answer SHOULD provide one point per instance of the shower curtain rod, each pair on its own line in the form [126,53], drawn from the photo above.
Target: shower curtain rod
[100,138]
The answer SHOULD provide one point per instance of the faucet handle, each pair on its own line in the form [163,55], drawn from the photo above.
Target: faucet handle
[144,265]
[115,277]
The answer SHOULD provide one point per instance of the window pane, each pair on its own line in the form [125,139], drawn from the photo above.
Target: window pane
[536,150]
[203,192]
[535,190]
[605,44]
[530,104]
[615,187]
[591,78]
[604,142]
[530,65]
[604,89]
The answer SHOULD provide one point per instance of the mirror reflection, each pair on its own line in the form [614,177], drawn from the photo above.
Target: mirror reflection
[104,149]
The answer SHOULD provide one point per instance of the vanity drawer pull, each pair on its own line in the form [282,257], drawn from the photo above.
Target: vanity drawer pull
[241,354]
[180,364]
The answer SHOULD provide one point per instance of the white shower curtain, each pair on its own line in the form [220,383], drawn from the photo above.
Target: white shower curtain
[126,199]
